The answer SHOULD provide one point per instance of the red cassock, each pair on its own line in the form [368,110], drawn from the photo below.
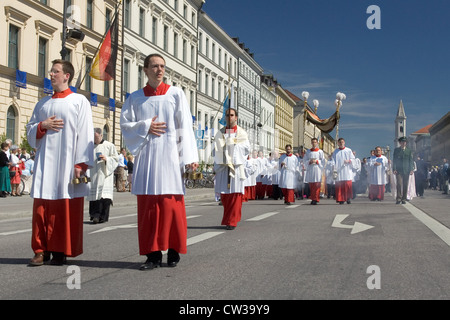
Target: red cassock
[314,188]
[232,206]
[343,190]
[162,223]
[376,192]
[289,195]
[58,226]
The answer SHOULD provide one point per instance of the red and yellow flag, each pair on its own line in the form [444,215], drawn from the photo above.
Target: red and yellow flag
[104,65]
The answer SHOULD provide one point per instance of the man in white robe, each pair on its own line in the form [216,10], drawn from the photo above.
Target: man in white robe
[343,160]
[378,169]
[314,161]
[156,124]
[102,178]
[289,178]
[61,131]
[231,149]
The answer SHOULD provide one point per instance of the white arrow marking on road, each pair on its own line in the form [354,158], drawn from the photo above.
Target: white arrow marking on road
[356,228]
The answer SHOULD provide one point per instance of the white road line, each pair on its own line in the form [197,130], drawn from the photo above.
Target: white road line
[439,229]
[202,237]
[263,216]
[14,232]
[293,206]
[193,216]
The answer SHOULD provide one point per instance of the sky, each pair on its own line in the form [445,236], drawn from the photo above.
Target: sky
[325,47]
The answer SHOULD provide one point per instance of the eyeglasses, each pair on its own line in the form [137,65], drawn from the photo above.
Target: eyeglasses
[54,71]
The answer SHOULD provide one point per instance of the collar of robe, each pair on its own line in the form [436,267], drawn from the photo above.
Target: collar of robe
[379,156]
[62,94]
[162,89]
[289,155]
[341,148]
[232,130]
[315,150]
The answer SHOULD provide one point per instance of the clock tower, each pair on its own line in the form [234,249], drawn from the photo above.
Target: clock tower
[400,124]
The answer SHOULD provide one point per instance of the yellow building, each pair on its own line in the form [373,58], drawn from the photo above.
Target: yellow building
[31,37]
[284,116]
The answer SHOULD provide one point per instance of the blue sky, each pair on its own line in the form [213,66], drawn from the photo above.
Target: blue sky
[325,47]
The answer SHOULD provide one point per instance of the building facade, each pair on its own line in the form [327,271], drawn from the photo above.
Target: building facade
[32,38]
[217,73]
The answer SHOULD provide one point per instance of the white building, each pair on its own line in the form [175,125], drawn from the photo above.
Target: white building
[217,72]
[266,133]
[166,27]
[249,94]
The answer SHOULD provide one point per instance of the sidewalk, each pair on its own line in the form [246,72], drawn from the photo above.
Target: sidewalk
[21,207]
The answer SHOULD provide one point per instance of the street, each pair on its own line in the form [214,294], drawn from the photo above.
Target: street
[363,251]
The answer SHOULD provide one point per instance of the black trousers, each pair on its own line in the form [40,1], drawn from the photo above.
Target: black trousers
[100,209]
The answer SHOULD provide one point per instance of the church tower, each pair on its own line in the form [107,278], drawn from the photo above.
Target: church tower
[400,124]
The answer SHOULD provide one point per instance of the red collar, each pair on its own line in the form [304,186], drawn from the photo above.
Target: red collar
[62,94]
[160,91]
[379,156]
[289,155]
[341,148]
[315,150]
[232,130]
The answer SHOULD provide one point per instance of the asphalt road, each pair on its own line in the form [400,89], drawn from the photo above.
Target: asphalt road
[363,251]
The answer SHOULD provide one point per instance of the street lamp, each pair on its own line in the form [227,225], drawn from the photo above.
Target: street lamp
[305,96]
[316,105]
[338,103]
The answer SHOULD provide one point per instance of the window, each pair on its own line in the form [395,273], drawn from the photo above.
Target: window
[13,47]
[42,57]
[88,77]
[175,45]
[106,133]
[89,14]
[141,76]
[141,22]
[107,19]
[166,38]
[106,89]
[126,77]
[184,51]
[154,30]
[11,123]
[126,13]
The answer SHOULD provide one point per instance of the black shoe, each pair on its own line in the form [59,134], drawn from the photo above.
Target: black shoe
[58,259]
[173,258]
[349,201]
[230,227]
[403,202]
[153,261]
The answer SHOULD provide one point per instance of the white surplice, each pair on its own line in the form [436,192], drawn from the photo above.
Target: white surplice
[378,172]
[102,173]
[344,170]
[230,156]
[289,169]
[159,161]
[58,152]
[314,171]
